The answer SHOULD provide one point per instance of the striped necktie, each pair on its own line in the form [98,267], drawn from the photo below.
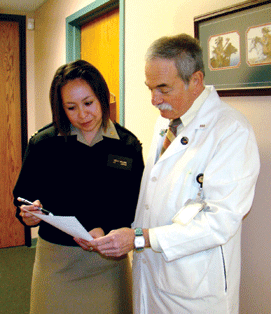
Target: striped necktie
[171,134]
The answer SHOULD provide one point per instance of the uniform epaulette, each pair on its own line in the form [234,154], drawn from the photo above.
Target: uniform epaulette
[122,128]
[42,129]
[128,136]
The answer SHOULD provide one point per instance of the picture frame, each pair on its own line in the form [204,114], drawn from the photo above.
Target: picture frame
[236,44]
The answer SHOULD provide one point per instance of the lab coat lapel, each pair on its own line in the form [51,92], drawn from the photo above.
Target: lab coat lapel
[202,121]
[183,141]
[187,136]
[176,146]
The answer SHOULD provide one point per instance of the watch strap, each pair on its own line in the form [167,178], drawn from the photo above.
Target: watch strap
[138,232]
[139,238]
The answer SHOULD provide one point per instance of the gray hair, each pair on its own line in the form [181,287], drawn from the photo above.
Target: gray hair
[183,49]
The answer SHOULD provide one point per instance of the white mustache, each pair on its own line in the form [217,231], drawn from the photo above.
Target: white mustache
[164,106]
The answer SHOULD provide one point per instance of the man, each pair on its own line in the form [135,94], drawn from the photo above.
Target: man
[193,196]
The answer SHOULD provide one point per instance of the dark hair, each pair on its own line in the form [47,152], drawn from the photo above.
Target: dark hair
[69,72]
[183,49]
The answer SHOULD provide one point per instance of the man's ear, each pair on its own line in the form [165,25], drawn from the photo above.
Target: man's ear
[197,82]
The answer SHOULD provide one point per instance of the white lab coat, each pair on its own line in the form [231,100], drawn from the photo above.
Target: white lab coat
[197,267]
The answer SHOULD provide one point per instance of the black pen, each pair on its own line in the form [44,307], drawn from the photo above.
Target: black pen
[45,211]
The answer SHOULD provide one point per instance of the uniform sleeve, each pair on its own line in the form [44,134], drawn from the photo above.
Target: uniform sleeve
[24,186]
[137,170]
[138,165]
[27,183]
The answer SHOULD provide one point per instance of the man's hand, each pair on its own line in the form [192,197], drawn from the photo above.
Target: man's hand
[116,243]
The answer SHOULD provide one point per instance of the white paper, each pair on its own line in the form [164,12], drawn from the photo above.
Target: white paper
[68,224]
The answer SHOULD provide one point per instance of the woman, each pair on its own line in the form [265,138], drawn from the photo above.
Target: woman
[82,165]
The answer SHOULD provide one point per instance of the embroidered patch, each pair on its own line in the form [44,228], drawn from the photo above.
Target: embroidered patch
[119,162]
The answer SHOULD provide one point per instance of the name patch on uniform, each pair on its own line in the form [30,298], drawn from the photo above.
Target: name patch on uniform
[119,162]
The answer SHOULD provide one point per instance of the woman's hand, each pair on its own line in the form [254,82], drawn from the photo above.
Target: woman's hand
[85,245]
[29,219]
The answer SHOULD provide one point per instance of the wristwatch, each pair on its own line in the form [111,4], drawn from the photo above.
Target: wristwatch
[139,239]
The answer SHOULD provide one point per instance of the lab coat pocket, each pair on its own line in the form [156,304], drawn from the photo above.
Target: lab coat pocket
[187,276]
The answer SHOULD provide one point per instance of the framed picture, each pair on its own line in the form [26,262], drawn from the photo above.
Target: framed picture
[236,43]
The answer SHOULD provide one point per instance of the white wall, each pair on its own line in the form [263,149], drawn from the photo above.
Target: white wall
[256,241]
[146,21]
[50,49]
[149,20]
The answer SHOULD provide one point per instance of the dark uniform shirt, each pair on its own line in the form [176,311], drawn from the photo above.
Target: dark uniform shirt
[98,184]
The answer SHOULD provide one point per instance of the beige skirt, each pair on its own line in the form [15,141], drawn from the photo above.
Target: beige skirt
[70,280]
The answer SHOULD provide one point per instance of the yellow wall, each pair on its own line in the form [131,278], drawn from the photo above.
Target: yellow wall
[145,21]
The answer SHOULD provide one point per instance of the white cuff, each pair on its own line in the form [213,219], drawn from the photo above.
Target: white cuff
[154,241]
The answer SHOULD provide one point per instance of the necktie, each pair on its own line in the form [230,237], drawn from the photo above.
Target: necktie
[171,134]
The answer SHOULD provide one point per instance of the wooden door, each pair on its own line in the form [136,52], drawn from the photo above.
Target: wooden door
[100,47]
[12,231]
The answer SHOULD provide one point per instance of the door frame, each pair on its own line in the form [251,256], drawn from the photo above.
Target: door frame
[73,37]
[21,20]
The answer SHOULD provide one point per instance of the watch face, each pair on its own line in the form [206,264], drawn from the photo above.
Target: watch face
[139,242]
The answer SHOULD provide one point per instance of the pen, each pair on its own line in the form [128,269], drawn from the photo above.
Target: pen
[45,211]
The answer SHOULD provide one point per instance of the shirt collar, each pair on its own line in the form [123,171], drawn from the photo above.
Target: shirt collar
[192,111]
[110,132]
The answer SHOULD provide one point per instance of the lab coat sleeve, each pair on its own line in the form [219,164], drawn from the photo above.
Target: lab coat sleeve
[229,183]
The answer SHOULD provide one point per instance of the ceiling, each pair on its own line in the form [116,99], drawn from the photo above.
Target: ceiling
[21,5]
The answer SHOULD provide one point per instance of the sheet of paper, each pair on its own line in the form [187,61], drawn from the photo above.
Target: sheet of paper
[68,224]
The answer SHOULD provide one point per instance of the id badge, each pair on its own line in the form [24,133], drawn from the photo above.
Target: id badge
[188,212]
